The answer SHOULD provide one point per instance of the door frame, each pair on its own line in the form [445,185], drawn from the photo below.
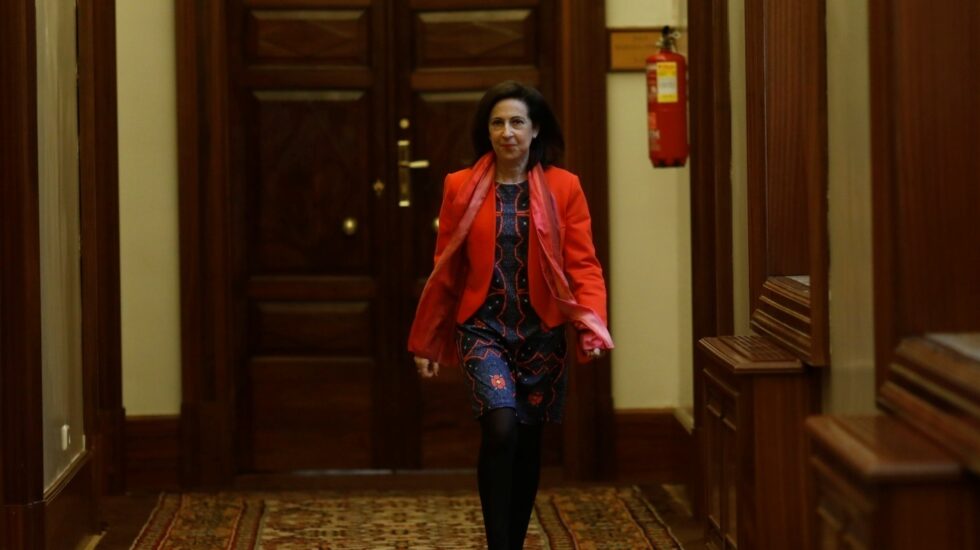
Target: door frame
[712,287]
[207,415]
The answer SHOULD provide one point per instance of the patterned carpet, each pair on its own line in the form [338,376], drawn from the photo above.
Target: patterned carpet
[587,518]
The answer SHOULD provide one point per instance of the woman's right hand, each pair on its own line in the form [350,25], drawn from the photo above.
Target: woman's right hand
[426,368]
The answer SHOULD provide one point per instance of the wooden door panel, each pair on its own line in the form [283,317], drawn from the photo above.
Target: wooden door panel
[312,327]
[311,174]
[335,37]
[309,124]
[488,37]
[311,413]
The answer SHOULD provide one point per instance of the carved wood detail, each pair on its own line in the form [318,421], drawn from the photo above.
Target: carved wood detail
[502,37]
[304,181]
[337,37]
[936,388]
[783,314]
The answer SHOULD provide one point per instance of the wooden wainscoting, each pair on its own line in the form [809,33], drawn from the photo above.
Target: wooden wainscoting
[653,446]
[152,453]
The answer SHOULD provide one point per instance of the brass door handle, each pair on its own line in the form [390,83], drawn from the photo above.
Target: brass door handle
[405,167]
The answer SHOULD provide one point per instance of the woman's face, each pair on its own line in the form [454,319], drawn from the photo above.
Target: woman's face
[511,131]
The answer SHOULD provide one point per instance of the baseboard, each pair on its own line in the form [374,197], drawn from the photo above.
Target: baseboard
[653,446]
[70,514]
[152,453]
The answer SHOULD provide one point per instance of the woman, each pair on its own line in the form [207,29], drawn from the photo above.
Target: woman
[514,262]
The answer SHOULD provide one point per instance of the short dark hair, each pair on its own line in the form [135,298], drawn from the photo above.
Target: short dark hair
[546,148]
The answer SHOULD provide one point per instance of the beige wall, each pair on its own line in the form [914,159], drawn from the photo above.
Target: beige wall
[61,305]
[650,256]
[850,387]
[148,206]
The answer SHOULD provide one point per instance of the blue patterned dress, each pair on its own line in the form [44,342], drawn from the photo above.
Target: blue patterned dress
[508,355]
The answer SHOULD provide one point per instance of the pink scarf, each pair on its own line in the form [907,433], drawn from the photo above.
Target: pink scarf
[433,333]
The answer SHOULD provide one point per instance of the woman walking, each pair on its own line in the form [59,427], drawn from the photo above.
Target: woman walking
[514,263]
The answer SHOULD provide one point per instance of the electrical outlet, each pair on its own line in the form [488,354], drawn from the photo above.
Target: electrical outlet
[65,438]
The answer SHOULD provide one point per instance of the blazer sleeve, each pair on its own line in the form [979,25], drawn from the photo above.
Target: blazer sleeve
[581,264]
[445,224]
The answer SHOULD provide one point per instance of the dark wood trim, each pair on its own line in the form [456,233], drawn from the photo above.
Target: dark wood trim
[881,44]
[588,443]
[712,289]
[152,453]
[207,406]
[935,388]
[69,516]
[787,147]
[21,447]
[653,447]
[99,182]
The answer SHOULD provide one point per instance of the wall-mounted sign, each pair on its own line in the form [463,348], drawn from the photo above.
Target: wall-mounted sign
[629,48]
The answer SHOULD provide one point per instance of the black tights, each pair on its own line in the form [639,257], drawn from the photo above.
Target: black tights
[508,472]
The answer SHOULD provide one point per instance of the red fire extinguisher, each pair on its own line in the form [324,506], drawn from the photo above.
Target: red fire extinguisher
[667,104]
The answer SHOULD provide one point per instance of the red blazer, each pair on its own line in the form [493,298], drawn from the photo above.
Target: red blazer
[581,266]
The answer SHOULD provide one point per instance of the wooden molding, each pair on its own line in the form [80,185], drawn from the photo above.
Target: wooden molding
[653,447]
[784,314]
[712,287]
[936,389]
[21,446]
[99,183]
[880,449]
[152,453]
[69,511]
[588,444]
[202,96]
[746,355]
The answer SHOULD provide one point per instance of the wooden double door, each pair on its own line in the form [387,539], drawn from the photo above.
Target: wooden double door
[343,118]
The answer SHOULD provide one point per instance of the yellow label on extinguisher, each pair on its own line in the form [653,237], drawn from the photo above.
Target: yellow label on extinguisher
[667,82]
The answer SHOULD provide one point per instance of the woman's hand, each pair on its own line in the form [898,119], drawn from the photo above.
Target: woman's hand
[426,368]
